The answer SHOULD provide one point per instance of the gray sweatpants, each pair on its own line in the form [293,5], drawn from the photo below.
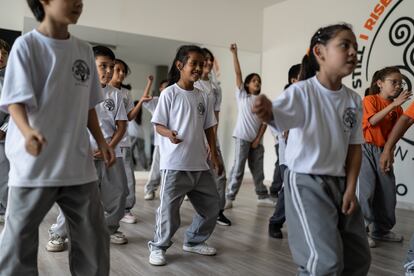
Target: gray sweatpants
[254,158]
[376,192]
[201,190]
[409,262]
[323,240]
[154,179]
[129,171]
[112,186]
[220,181]
[88,235]
[4,178]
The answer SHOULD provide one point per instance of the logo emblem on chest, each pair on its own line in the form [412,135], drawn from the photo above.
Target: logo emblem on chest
[80,70]
[201,109]
[349,118]
[109,104]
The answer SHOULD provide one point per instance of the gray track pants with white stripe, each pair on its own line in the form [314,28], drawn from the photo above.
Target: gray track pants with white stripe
[220,181]
[4,178]
[129,172]
[323,241]
[254,158]
[154,179]
[376,192]
[201,190]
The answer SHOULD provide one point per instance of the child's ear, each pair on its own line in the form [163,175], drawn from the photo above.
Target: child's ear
[318,51]
[179,65]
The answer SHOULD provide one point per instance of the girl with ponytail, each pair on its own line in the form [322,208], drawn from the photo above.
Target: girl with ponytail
[325,224]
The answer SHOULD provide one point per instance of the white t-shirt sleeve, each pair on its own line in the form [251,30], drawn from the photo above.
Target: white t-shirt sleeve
[129,102]
[241,92]
[289,110]
[357,134]
[121,114]
[17,87]
[162,112]
[96,95]
[219,98]
[210,119]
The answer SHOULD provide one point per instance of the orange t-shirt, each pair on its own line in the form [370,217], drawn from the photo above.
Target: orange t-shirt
[410,111]
[378,134]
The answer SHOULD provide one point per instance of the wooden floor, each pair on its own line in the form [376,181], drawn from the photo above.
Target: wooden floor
[243,249]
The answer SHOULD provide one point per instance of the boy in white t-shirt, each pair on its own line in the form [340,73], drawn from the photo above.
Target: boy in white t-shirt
[4,118]
[154,178]
[50,90]
[111,181]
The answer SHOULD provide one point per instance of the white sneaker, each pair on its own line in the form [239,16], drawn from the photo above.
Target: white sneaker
[186,198]
[118,238]
[2,218]
[55,244]
[129,218]
[202,249]
[265,202]
[371,242]
[149,196]
[157,257]
[229,204]
[389,237]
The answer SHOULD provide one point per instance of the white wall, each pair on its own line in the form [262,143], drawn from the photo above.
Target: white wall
[287,29]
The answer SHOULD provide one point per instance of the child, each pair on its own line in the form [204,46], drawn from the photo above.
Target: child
[248,135]
[386,161]
[377,191]
[154,176]
[137,134]
[278,218]
[111,181]
[4,117]
[214,95]
[51,99]
[121,71]
[323,156]
[184,118]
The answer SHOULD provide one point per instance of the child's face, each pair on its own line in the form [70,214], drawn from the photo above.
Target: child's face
[119,73]
[208,64]
[63,11]
[105,66]
[4,55]
[192,69]
[392,85]
[254,85]
[339,55]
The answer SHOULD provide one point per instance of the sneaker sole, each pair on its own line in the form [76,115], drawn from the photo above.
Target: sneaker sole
[55,249]
[119,242]
[262,204]
[386,240]
[192,250]
[157,263]
[129,221]
[223,223]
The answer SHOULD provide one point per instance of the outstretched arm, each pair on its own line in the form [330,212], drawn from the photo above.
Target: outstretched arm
[236,63]
[145,97]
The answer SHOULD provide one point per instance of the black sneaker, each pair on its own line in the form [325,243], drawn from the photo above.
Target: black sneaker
[222,220]
[275,231]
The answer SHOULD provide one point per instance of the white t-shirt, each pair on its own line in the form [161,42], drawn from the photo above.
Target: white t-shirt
[321,123]
[213,91]
[188,113]
[151,106]
[57,82]
[129,105]
[282,149]
[135,130]
[109,111]
[248,124]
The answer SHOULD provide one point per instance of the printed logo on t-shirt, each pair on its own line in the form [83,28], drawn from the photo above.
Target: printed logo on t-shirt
[109,104]
[349,117]
[80,70]
[201,109]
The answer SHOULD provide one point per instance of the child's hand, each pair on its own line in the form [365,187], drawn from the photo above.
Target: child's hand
[150,78]
[145,99]
[233,48]
[403,97]
[349,202]
[107,154]
[173,137]
[386,161]
[217,165]
[34,142]
[262,107]
[255,144]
